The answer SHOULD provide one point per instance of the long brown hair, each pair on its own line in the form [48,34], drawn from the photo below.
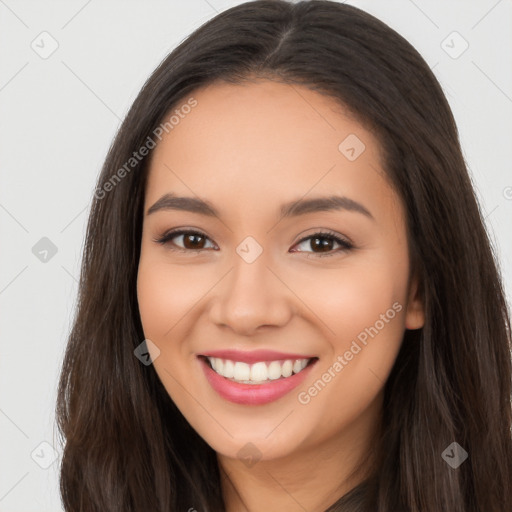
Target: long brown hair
[127,446]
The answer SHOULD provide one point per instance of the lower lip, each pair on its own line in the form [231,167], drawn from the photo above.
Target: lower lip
[253,394]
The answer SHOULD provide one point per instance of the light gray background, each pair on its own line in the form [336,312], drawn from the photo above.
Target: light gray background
[58,116]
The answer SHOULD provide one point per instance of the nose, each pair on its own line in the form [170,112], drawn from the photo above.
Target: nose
[251,297]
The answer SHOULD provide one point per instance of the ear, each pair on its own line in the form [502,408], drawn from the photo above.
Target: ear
[415,313]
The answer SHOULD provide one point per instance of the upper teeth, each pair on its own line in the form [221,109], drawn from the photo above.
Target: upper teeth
[257,372]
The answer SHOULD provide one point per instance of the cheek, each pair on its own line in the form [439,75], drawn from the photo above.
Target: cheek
[165,297]
[156,303]
[363,316]
[165,294]
[349,300]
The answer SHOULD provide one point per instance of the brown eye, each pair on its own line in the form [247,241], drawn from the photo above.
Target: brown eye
[324,244]
[185,240]
[193,241]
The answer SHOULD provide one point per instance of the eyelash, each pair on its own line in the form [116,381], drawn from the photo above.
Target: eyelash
[329,235]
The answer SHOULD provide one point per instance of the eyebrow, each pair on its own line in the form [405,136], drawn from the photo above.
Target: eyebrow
[295,208]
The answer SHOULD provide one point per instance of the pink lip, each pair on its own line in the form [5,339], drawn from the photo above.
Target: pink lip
[254,356]
[253,394]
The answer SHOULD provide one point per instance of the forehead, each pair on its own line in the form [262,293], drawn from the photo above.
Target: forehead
[267,141]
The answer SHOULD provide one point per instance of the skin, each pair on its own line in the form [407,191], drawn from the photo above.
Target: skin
[247,149]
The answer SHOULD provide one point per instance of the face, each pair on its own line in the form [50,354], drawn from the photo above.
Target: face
[286,270]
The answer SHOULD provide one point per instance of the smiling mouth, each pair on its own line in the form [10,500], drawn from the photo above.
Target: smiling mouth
[260,372]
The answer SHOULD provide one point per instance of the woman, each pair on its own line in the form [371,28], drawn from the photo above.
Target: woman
[288,299]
